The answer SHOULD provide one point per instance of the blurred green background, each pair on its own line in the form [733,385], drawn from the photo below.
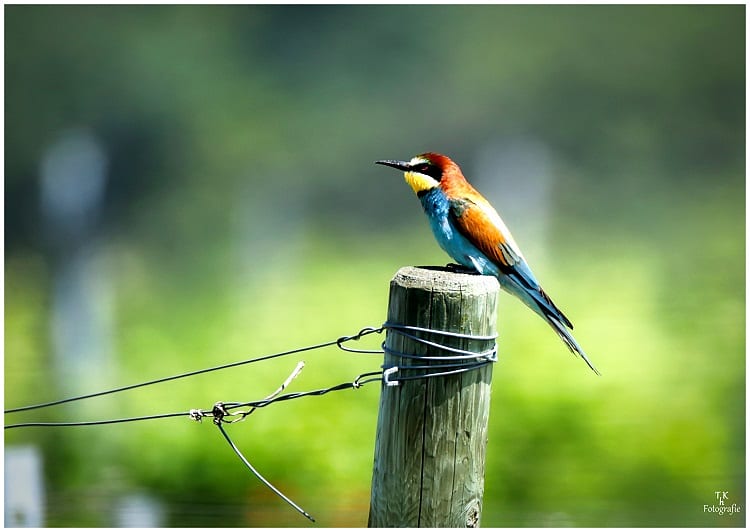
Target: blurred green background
[188,186]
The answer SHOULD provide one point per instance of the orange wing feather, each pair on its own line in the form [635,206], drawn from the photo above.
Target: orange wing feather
[478,221]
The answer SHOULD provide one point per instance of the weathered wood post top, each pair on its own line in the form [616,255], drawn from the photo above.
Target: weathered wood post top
[434,408]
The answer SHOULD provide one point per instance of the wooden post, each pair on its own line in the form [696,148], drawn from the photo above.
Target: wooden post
[432,433]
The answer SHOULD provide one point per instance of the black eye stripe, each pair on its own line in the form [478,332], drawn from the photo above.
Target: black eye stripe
[428,169]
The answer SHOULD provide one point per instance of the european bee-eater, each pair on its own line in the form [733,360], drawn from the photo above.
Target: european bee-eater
[469,229]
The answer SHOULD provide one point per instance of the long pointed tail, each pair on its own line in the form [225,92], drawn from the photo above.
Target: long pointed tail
[566,337]
[538,301]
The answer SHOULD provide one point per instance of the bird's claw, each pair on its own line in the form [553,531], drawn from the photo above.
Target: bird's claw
[460,268]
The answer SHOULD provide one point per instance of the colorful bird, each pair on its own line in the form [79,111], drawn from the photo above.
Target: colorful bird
[469,229]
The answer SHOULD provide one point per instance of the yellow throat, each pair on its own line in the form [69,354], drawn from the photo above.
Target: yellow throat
[420,182]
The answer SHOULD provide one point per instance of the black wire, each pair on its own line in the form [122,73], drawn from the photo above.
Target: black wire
[260,477]
[361,380]
[296,395]
[400,328]
[368,377]
[103,422]
[338,342]
[221,410]
[175,377]
[459,369]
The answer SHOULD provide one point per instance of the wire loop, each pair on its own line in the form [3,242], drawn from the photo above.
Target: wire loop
[465,336]
[363,332]
[460,361]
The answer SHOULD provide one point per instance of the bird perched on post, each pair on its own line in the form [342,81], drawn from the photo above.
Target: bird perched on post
[469,229]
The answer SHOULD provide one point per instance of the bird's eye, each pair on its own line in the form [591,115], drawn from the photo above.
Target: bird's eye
[423,168]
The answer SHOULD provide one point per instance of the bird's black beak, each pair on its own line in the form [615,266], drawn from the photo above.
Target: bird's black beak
[398,165]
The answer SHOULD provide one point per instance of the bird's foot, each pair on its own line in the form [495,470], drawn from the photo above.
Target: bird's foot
[460,268]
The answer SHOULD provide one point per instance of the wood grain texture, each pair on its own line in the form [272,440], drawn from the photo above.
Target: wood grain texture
[432,433]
